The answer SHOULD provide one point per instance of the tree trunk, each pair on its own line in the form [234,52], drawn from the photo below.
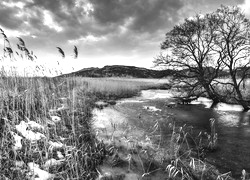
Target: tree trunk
[240,98]
[214,104]
[212,95]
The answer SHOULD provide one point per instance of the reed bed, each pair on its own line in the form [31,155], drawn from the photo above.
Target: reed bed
[117,88]
[57,113]
[46,130]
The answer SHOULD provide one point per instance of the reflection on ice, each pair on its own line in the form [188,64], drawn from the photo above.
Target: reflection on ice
[234,118]
[106,118]
[229,119]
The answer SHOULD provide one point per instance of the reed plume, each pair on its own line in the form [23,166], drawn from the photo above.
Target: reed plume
[21,41]
[75,52]
[61,52]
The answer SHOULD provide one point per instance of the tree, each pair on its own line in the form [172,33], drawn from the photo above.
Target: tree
[234,43]
[191,46]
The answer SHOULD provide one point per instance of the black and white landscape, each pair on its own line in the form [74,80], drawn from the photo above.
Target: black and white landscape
[124,89]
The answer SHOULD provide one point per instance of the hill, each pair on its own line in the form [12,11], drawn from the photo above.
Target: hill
[121,71]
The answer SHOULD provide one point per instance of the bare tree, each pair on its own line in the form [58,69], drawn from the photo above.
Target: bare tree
[191,46]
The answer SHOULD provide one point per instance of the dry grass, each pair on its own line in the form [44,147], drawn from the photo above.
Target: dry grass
[117,88]
[40,100]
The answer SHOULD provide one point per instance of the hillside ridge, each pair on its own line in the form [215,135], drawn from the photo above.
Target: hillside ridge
[121,71]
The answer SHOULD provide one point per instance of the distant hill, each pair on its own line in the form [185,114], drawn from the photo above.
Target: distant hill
[121,71]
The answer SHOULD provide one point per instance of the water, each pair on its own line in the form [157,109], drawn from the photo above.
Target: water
[233,153]
[232,125]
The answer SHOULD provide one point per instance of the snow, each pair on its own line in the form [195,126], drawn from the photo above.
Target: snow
[19,164]
[204,101]
[36,171]
[34,125]
[156,94]
[228,107]
[59,155]
[55,118]
[131,100]
[151,108]
[23,126]
[18,144]
[29,134]
[52,162]
[56,144]
[63,107]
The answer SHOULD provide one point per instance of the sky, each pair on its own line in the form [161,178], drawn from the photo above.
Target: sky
[106,32]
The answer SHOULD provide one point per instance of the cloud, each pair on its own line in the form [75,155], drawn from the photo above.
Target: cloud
[246,7]
[8,17]
[100,28]
[147,15]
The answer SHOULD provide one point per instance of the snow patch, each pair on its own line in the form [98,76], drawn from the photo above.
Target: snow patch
[59,155]
[55,119]
[17,138]
[203,101]
[151,108]
[39,174]
[228,107]
[52,162]
[56,145]
[19,164]
[156,94]
[29,134]
[35,125]
[130,100]
[63,107]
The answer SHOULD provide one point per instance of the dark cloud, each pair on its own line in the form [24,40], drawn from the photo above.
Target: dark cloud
[148,15]
[8,17]
[108,11]
[62,10]
[157,15]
